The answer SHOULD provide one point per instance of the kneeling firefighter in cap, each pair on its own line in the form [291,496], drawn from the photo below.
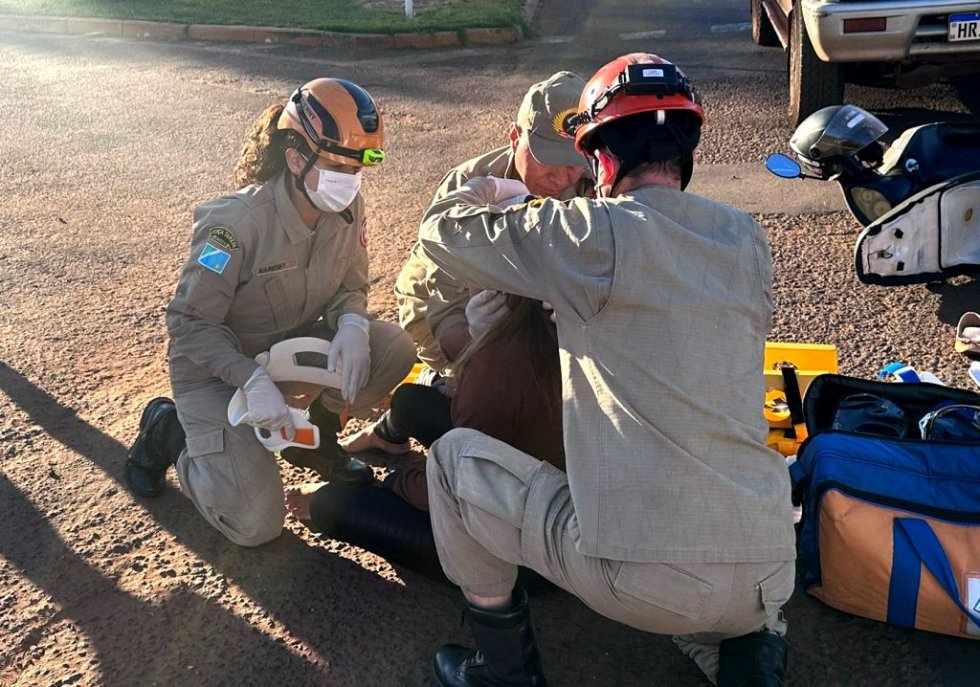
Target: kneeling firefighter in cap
[433,307]
[285,256]
[663,301]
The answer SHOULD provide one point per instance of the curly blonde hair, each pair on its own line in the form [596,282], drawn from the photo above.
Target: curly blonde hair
[263,156]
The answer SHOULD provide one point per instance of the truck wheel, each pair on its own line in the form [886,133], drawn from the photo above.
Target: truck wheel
[762,32]
[813,83]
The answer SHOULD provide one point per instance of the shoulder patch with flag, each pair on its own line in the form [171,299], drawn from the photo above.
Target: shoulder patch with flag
[214,258]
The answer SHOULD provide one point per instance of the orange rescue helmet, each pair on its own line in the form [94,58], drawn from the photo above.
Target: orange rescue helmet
[338,119]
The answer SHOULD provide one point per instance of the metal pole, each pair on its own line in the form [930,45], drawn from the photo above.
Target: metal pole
[409,9]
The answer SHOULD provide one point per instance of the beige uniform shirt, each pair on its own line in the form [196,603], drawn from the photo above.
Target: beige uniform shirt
[257,275]
[427,292]
[663,300]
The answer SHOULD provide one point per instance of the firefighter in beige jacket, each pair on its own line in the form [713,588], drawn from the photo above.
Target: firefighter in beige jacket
[431,303]
[285,256]
[673,517]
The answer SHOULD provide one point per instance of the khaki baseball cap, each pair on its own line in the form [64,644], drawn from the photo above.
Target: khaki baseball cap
[546,107]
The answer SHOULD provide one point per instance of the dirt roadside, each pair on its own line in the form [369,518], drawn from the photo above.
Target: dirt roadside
[98,587]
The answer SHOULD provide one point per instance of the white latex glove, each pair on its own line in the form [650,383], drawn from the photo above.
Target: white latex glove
[266,407]
[484,310]
[351,351]
[507,189]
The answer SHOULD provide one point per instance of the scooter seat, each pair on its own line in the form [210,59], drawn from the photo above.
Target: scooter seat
[942,150]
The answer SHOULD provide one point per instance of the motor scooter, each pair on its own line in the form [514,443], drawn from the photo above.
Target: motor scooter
[918,198]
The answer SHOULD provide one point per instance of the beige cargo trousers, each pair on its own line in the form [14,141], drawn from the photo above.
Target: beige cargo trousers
[494,508]
[232,479]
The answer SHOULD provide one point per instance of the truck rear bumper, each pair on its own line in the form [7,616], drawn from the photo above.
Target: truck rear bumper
[914,29]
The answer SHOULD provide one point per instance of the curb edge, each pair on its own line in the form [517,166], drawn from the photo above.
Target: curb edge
[167,31]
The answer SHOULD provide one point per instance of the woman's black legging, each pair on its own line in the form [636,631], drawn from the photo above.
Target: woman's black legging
[417,412]
[378,520]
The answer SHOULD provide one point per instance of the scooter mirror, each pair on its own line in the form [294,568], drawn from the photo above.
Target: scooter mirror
[783,166]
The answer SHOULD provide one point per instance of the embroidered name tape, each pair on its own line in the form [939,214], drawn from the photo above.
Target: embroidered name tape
[281,266]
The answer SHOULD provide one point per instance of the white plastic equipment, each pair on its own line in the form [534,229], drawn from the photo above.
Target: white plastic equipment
[281,364]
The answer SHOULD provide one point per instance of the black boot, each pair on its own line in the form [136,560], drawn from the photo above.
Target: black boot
[157,447]
[507,653]
[754,660]
[328,460]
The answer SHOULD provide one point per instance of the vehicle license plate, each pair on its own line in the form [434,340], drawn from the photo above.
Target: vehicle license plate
[964,27]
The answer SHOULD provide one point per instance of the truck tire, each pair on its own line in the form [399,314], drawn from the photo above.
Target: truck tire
[813,83]
[762,32]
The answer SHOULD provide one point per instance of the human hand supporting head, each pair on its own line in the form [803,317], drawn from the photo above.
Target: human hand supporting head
[484,310]
[351,350]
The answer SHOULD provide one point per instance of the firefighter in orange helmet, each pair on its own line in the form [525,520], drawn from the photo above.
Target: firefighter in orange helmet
[284,256]
[673,516]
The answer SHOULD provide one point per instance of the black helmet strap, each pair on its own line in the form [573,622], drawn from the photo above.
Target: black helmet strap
[300,184]
[636,140]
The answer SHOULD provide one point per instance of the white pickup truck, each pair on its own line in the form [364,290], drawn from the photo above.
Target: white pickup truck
[881,42]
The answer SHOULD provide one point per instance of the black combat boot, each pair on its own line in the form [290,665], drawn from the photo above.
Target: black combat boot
[507,653]
[157,447]
[754,660]
[329,460]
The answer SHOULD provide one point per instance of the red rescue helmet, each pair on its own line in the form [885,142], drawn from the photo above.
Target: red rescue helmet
[640,84]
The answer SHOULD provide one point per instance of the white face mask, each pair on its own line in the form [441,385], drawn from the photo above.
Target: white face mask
[334,190]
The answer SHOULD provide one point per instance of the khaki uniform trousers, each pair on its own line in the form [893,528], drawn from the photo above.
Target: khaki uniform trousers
[494,508]
[232,479]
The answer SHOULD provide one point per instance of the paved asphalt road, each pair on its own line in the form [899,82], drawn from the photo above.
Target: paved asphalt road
[106,145]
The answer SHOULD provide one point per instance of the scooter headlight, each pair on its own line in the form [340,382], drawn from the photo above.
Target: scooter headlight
[871,203]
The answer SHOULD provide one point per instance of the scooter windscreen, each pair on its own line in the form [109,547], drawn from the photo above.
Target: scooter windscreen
[839,130]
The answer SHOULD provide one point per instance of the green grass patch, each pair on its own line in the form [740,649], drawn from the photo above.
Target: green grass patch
[353,16]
